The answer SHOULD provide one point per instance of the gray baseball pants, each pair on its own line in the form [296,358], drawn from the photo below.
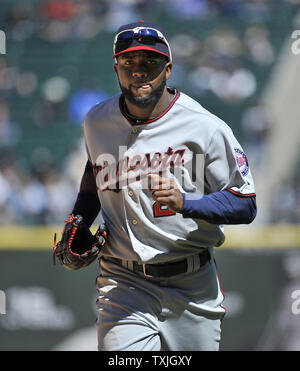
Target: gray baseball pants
[179,313]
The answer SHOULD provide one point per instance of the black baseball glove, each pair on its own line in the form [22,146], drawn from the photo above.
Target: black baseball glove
[78,247]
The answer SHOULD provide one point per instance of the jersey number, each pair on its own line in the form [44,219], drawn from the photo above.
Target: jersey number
[159,211]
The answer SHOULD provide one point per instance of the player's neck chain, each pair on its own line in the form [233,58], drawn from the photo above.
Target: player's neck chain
[138,121]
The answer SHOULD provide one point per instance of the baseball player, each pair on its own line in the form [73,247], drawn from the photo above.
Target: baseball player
[166,175]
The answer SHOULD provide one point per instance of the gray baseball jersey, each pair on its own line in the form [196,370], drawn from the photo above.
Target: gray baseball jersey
[185,142]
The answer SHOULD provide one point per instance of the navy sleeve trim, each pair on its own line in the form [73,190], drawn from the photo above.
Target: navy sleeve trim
[88,206]
[88,167]
[87,203]
[223,207]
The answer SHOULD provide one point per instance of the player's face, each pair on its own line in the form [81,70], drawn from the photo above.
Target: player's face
[142,76]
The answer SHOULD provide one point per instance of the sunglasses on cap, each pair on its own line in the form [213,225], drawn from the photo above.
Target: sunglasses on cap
[146,36]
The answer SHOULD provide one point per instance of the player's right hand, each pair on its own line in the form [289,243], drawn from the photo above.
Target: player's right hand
[165,192]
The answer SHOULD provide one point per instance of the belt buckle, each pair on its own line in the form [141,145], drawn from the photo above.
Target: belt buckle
[145,273]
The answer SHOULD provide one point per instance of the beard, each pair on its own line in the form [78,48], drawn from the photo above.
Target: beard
[148,100]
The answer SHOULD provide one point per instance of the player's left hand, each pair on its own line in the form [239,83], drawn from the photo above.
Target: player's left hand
[78,247]
[165,192]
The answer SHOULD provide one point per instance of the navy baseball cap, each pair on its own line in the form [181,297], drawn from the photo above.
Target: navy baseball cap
[141,36]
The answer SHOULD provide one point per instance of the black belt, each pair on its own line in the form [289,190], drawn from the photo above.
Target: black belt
[167,269]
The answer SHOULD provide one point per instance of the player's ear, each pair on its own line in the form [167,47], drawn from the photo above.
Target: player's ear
[116,68]
[168,67]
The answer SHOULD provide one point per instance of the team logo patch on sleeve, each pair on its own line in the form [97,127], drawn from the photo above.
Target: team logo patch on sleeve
[242,161]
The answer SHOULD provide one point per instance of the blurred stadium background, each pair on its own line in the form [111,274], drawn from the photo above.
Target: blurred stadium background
[240,60]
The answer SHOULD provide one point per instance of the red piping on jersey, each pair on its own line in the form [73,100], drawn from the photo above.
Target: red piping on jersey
[155,118]
[240,194]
